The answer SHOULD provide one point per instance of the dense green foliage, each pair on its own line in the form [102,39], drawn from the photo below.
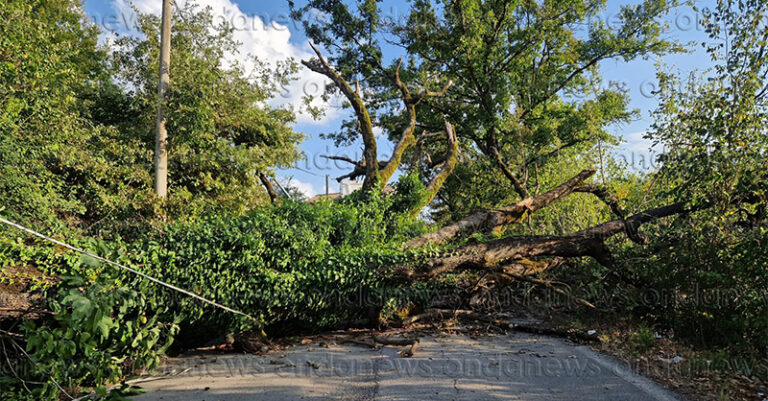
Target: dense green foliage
[523,76]
[51,159]
[76,141]
[221,134]
[103,327]
[297,266]
[294,265]
[714,132]
[704,274]
[78,128]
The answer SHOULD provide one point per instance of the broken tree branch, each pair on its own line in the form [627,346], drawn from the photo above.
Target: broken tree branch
[612,201]
[411,344]
[549,284]
[359,169]
[589,242]
[602,193]
[494,219]
[321,66]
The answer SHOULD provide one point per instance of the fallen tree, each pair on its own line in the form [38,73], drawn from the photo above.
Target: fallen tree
[589,242]
[493,220]
[479,255]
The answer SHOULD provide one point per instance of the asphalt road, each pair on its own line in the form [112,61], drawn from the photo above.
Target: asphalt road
[506,367]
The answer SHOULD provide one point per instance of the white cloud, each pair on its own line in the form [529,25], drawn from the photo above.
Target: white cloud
[269,40]
[636,152]
[634,142]
[304,187]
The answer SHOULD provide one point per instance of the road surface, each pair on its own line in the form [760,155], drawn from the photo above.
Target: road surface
[516,366]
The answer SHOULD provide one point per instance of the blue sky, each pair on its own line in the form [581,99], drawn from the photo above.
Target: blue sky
[265,29]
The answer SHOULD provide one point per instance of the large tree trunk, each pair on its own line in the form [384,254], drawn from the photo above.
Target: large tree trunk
[494,219]
[589,242]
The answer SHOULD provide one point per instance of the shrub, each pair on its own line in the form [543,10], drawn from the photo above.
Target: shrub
[101,327]
[294,264]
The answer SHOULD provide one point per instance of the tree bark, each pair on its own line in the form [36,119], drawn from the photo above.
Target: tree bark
[494,219]
[363,117]
[270,189]
[407,138]
[375,171]
[589,242]
[445,171]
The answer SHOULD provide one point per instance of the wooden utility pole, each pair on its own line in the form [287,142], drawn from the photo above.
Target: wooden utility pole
[161,141]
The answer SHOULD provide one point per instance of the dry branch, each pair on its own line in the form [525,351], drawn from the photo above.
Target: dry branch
[569,334]
[443,314]
[549,284]
[411,344]
[398,341]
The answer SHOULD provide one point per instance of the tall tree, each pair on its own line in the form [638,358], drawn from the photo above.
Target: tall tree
[78,121]
[517,66]
[222,134]
[713,129]
[49,150]
[514,68]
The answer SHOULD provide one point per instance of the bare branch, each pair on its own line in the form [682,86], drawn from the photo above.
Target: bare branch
[342,158]
[321,66]
[268,186]
[445,171]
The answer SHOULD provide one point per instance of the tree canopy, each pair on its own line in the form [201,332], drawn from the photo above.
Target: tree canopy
[78,120]
[499,135]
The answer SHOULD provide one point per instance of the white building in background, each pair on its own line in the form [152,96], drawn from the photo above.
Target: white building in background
[346,187]
[349,186]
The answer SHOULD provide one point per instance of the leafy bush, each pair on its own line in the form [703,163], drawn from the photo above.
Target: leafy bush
[101,327]
[643,338]
[708,278]
[292,264]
